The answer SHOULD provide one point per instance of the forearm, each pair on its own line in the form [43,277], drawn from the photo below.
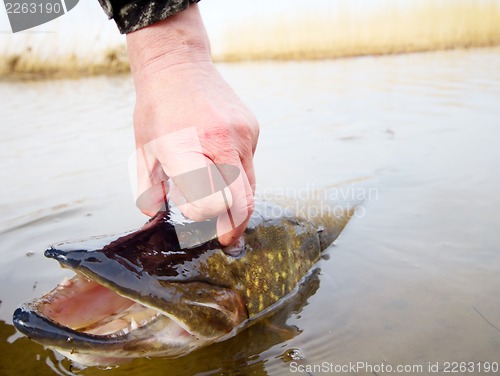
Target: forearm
[177,40]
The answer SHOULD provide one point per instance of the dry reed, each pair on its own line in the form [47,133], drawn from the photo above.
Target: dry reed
[27,65]
[424,26]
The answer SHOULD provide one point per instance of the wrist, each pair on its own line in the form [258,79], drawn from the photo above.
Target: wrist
[177,40]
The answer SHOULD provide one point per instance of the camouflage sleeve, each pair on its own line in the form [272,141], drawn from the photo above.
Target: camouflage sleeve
[131,15]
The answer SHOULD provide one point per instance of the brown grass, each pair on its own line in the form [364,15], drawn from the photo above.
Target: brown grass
[429,25]
[27,65]
[426,26]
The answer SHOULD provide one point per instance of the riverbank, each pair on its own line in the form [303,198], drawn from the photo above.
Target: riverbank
[337,32]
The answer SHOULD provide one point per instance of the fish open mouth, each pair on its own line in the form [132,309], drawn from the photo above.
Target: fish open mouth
[82,316]
[134,295]
[88,307]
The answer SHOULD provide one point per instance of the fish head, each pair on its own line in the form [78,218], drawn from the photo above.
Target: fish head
[132,298]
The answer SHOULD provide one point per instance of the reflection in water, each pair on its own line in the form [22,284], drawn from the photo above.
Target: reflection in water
[25,357]
[415,280]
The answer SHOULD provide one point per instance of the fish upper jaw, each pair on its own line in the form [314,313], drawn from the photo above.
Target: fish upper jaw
[74,320]
[200,307]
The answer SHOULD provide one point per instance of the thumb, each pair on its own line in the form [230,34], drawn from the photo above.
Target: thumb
[149,182]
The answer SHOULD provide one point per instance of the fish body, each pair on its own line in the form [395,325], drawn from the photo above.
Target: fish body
[141,294]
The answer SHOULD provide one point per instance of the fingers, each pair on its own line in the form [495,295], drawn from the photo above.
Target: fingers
[232,223]
[201,189]
[150,182]
[247,164]
[196,186]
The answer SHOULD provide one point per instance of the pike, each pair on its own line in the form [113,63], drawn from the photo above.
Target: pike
[142,294]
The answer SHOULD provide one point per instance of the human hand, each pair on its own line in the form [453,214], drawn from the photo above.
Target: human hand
[187,119]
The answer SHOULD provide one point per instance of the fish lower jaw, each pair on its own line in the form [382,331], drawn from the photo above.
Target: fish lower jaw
[93,325]
[171,341]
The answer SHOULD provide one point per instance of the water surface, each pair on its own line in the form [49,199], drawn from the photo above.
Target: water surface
[413,281]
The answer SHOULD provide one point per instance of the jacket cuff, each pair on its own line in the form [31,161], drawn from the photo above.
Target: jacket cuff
[132,15]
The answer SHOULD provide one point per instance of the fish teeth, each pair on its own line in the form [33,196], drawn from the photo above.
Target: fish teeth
[133,324]
[121,332]
[65,282]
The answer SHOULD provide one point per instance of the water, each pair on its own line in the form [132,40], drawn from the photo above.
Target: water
[413,282]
